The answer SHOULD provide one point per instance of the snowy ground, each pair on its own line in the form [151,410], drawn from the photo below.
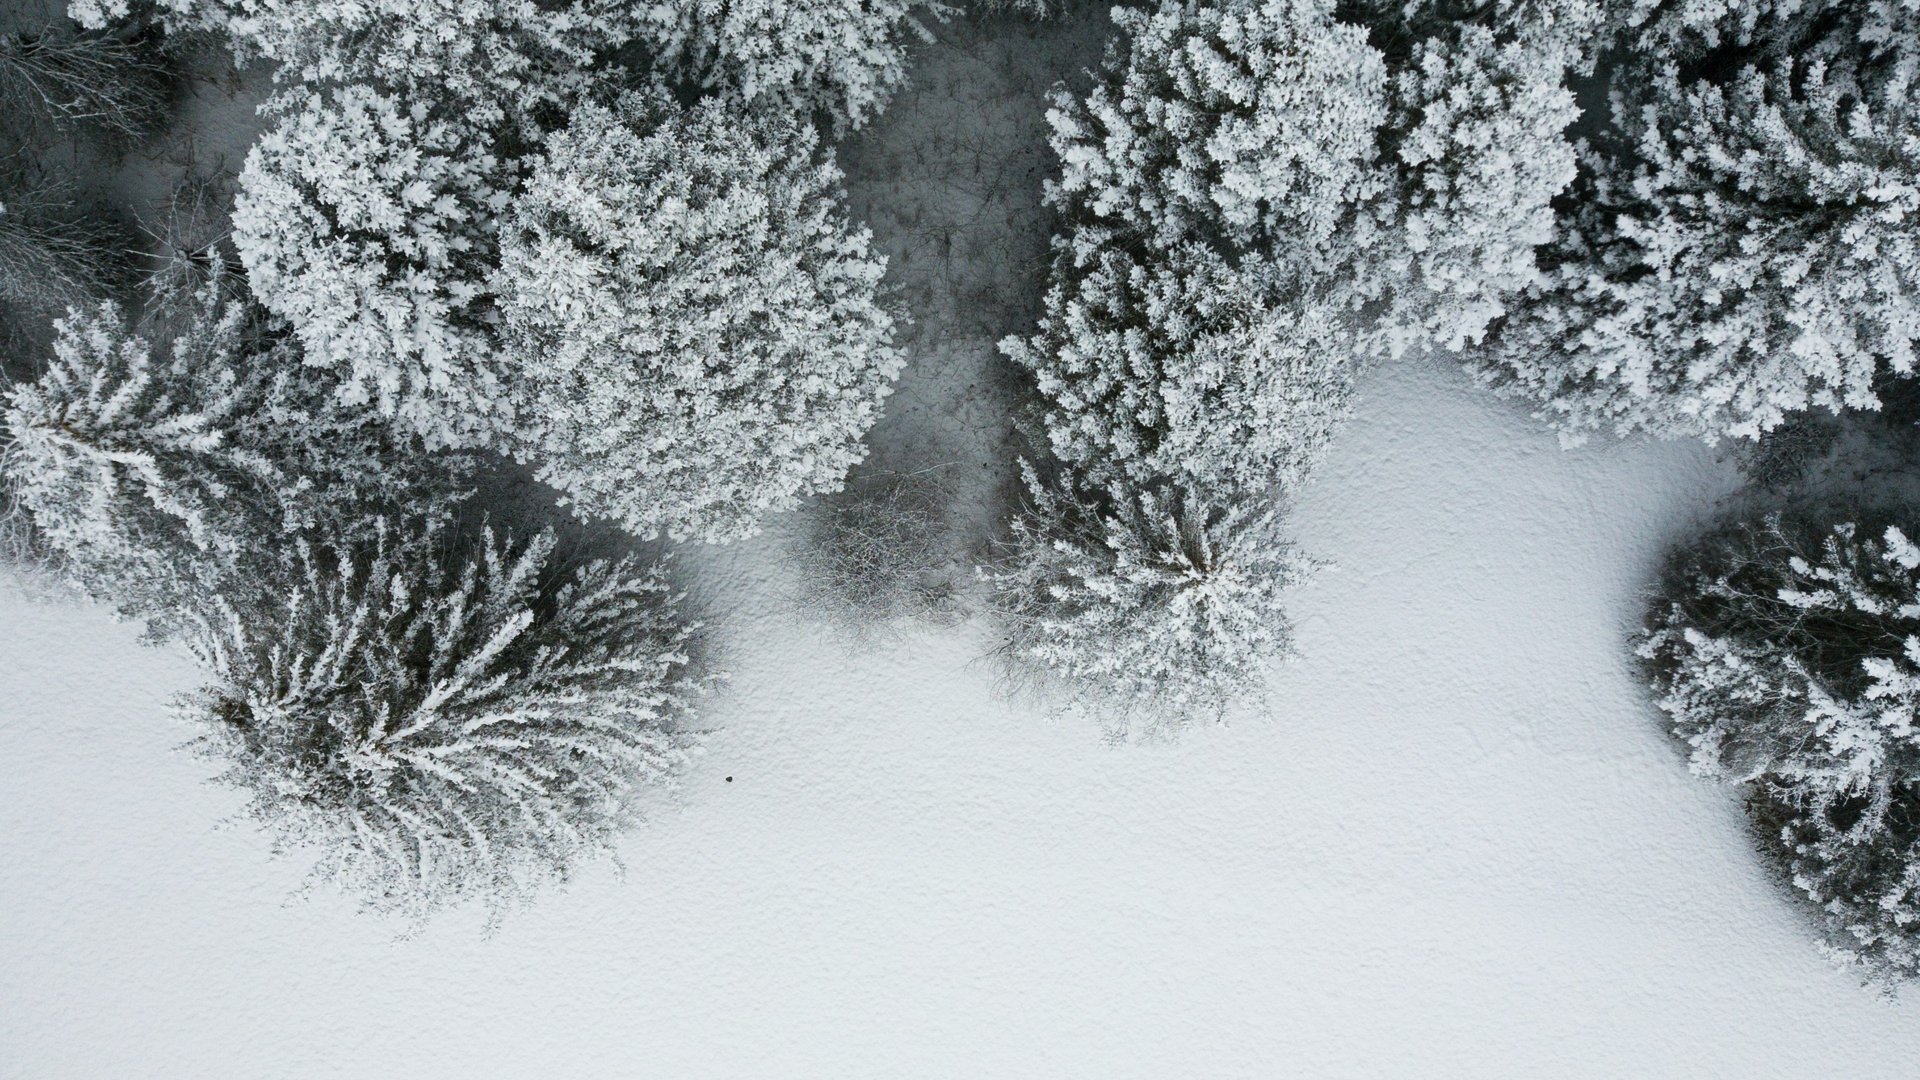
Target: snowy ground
[1456,846]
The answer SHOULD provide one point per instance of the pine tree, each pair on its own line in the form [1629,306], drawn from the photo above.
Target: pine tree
[691,317]
[1258,195]
[155,472]
[1151,609]
[490,60]
[1478,122]
[1786,655]
[1174,367]
[1743,246]
[441,726]
[1247,124]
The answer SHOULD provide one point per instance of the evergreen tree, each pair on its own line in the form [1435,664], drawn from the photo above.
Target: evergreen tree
[1478,123]
[1787,657]
[443,726]
[1246,124]
[1174,367]
[155,472]
[691,318]
[1151,609]
[1258,194]
[491,60]
[1743,245]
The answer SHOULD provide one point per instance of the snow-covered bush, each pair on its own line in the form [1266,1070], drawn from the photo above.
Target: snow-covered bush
[494,59]
[1787,657]
[840,59]
[154,472]
[1151,609]
[1176,368]
[1246,123]
[1744,247]
[691,318]
[879,552]
[443,726]
[368,223]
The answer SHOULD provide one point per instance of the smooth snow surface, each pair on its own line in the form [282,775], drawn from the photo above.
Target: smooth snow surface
[1459,847]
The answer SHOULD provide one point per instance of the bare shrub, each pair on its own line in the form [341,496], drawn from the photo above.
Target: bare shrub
[109,80]
[190,245]
[879,552]
[52,256]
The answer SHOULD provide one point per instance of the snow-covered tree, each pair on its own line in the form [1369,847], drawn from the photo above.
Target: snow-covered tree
[1787,657]
[691,318]
[1688,29]
[839,59]
[438,726]
[492,59]
[1424,174]
[1249,124]
[156,471]
[1177,368]
[1150,608]
[1480,126]
[1032,9]
[369,224]
[1744,246]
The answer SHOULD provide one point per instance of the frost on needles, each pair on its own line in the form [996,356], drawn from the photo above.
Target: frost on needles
[438,725]
[435,715]
[1786,654]
[1740,244]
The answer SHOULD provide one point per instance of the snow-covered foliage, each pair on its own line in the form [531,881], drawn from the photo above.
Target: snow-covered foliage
[155,471]
[1787,656]
[1575,30]
[1246,123]
[1177,368]
[1745,246]
[1033,9]
[367,222]
[1258,194]
[443,726]
[494,59]
[1480,127]
[1151,609]
[838,59]
[691,318]
[1688,28]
